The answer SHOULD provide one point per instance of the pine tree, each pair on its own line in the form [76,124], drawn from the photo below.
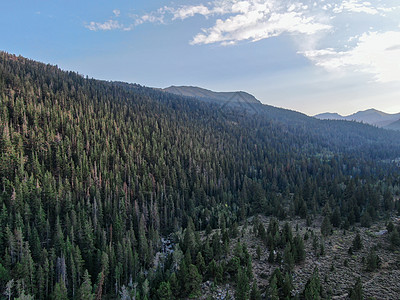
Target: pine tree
[4,275]
[23,296]
[189,242]
[357,242]
[335,218]
[146,288]
[193,281]
[175,286]
[322,249]
[249,268]
[271,256]
[262,233]
[288,257]
[86,290]
[356,293]
[8,292]
[164,292]
[366,220]
[255,293]
[219,273]
[313,288]
[373,261]
[326,226]
[242,285]
[299,251]
[60,292]
[287,286]
[143,244]
[208,229]
[201,266]
[273,289]
[287,234]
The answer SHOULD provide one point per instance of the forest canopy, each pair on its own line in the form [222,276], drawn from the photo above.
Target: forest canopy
[94,173]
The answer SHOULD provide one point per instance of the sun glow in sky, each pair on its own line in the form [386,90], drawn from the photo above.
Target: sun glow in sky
[310,56]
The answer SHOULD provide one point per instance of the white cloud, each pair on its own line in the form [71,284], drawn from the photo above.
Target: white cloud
[149,19]
[375,53]
[116,12]
[189,11]
[356,6]
[157,16]
[255,20]
[255,26]
[360,6]
[108,25]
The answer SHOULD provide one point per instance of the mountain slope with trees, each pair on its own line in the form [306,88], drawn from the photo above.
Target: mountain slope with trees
[94,173]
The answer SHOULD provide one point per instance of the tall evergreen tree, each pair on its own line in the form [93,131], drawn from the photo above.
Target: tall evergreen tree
[242,285]
[356,293]
[164,292]
[60,292]
[255,293]
[313,288]
[192,282]
[86,290]
[326,226]
[357,242]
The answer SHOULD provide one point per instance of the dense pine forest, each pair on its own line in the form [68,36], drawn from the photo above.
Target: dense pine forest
[111,190]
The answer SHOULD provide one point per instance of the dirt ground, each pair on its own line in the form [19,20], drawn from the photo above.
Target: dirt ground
[336,276]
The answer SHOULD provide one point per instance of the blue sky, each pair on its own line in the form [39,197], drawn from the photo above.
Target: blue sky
[310,56]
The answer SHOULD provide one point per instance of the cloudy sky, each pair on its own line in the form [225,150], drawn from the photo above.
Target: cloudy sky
[310,56]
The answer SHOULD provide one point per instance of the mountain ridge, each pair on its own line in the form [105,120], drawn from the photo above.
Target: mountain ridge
[370,116]
[209,95]
[251,103]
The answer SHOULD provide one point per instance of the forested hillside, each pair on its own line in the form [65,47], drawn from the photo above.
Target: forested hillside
[94,173]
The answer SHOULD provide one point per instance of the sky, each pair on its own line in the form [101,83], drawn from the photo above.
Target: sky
[309,56]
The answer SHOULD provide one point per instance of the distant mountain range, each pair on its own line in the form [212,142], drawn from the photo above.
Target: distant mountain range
[370,116]
[238,98]
[394,125]
[246,100]
[242,101]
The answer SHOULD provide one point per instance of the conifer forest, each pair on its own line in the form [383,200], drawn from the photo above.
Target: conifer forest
[110,190]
